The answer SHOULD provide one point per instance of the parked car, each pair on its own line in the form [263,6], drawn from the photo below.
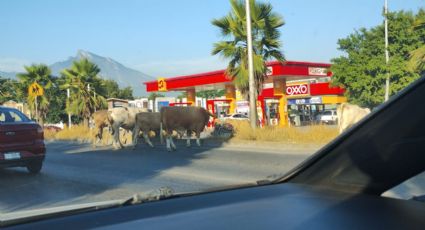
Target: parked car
[21,141]
[236,116]
[327,117]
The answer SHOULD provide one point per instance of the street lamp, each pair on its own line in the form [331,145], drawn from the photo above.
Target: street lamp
[387,56]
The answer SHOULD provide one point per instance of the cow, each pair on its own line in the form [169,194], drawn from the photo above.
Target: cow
[146,122]
[190,119]
[122,117]
[100,119]
[349,114]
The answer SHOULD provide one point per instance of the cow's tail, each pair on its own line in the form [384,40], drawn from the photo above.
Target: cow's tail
[211,114]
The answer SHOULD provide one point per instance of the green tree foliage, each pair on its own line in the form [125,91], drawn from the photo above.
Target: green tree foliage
[112,90]
[417,56]
[57,96]
[8,90]
[210,93]
[42,75]
[85,85]
[362,69]
[265,36]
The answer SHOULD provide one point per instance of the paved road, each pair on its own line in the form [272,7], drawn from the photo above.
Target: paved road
[75,173]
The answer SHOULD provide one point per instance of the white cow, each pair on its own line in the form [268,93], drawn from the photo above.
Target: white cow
[349,114]
[122,117]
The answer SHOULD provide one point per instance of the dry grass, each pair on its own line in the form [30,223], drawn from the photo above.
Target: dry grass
[318,134]
[84,134]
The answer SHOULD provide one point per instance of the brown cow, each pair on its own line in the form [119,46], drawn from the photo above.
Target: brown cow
[100,119]
[191,119]
[146,122]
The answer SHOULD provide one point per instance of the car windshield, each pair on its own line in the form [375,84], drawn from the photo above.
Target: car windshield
[102,100]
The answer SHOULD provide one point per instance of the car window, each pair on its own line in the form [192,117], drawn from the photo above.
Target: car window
[76,78]
[9,116]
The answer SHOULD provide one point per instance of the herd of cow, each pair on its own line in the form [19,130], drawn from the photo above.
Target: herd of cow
[169,119]
[181,119]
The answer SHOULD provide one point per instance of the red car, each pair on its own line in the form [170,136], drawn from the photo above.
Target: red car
[21,141]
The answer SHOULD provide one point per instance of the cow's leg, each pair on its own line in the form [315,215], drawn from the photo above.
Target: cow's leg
[198,138]
[167,141]
[100,134]
[135,138]
[116,142]
[173,146]
[188,134]
[147,140]
[124,136]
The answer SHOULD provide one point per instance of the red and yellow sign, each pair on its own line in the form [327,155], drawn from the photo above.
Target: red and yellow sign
[35,90]
[162,84]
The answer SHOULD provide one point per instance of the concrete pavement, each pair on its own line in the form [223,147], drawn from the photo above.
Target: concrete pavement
[76,173]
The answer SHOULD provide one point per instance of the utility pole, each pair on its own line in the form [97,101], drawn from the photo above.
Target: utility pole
[387,56]
[252,99]
[36,110]
[69,114]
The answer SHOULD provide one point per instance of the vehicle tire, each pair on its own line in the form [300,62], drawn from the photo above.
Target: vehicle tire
[35,167]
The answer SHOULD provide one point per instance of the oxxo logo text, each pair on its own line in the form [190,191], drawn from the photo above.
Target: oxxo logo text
[297,89]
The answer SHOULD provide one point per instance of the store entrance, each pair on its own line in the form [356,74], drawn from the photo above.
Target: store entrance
[272,111]
[305,114]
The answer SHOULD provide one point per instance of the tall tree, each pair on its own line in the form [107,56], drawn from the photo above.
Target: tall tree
[210,93]
[112,90]
[57,108]
[8,91]
[417,56]
[362,69]
[265,40]
[84,83]
[40,74]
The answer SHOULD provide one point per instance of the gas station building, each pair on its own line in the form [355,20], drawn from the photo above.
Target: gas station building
[292,92]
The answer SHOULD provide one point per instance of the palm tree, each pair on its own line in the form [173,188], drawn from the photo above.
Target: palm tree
[83,81]
[41,74]
[265,41]
[417,56]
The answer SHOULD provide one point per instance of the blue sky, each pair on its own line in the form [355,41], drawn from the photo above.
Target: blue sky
[169,37]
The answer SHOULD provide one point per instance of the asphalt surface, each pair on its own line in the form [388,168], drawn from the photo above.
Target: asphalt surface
[75,173]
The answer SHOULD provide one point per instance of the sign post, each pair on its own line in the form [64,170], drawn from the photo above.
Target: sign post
[69,114]
[35,90]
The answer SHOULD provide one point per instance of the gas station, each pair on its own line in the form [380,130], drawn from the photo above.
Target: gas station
[290,86]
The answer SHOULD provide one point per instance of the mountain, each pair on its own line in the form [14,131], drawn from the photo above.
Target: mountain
[110,69]
[11,75]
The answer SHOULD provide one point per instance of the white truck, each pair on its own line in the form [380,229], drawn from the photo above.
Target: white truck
[327,117]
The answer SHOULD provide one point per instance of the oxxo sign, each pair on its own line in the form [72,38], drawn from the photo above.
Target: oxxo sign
[294,90]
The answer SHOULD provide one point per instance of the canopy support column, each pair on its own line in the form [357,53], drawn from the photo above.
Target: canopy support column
[279,89]
[191,96]
[231,95]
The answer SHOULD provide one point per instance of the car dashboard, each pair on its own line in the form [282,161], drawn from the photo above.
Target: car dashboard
[288,206]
